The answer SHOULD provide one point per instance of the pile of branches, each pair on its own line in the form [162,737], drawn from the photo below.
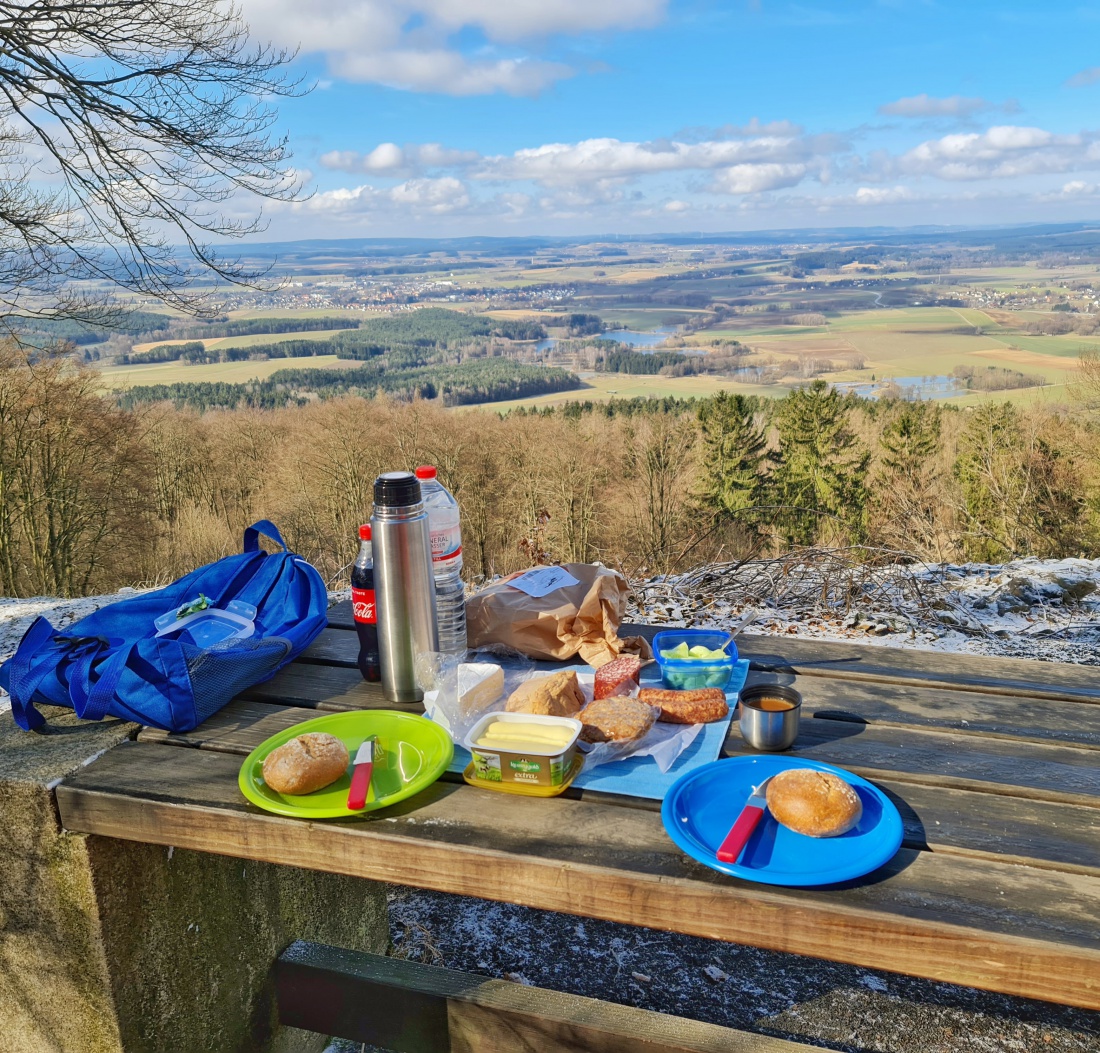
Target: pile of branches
[858,584]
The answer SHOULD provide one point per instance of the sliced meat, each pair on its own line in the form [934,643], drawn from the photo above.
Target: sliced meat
[617,677]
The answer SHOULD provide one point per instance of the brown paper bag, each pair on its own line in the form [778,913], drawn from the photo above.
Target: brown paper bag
[581,618]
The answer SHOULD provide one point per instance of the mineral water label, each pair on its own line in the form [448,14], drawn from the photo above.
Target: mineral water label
[543,581]
[362,606]
[446,548]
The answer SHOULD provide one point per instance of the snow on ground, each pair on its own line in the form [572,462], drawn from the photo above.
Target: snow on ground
[1047,610]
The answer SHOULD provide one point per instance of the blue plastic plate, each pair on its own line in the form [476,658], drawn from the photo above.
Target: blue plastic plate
[700,808]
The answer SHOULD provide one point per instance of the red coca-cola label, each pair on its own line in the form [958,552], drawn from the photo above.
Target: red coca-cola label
[362,606]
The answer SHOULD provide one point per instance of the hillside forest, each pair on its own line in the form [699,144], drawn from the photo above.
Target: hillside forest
[95,495]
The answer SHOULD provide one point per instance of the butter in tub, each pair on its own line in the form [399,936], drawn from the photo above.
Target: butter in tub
[523,748]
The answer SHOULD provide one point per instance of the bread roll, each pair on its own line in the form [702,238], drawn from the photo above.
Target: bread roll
[813,802]
[305,764]
[559,695]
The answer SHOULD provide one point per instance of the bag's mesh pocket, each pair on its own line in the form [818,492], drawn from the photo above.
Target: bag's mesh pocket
[226,669]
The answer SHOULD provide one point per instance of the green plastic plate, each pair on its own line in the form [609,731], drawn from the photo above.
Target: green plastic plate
[410,754]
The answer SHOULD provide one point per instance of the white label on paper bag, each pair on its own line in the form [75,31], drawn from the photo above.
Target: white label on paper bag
[541,582]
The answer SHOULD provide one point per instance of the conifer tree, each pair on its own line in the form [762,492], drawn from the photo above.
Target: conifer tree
[820,481]
[1021,493]
[734,449]
[908,483]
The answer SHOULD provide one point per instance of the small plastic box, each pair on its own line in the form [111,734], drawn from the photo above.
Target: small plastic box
[689,674]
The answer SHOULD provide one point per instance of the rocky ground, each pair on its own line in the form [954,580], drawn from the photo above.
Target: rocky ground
[1043,610]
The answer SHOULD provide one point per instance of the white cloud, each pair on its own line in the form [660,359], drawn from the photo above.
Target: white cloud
[561,164]
[523,19]
[756,178]
[409,44]
[1074,190]
[929,106]
[1001,152]
[879,195]
[414,197]
[1084,78]
[614,181]
[386,157]
[757,127]
[391,159]
[448,72]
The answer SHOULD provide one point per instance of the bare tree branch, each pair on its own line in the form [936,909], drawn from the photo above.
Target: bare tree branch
[133,135]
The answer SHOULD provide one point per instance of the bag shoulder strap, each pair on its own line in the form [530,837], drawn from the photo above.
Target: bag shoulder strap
[268,529]
[24,681]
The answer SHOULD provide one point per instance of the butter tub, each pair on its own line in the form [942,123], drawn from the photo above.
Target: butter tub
[534,769]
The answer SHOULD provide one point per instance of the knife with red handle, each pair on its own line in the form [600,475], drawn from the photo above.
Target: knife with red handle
[747,821]
[360,776]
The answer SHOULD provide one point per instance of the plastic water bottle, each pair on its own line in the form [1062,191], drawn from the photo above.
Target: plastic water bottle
[450,594]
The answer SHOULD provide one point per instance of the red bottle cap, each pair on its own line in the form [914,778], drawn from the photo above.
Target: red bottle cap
[426,471]
[364,532]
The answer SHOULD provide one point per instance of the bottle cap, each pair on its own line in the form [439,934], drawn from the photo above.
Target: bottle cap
[397,490]
[426,471]
[364,532]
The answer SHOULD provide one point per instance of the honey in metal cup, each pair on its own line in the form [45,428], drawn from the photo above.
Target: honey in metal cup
[769,716]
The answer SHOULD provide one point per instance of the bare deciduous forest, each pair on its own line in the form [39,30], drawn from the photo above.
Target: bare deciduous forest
[93,497]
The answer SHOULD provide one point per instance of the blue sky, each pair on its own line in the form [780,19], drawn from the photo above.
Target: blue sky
[445,117]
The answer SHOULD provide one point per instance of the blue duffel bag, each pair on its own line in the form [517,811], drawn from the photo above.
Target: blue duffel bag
[168,658]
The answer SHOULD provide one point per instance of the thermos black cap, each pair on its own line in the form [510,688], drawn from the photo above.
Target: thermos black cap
[397,490]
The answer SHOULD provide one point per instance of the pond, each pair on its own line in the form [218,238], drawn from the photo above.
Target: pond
[643,342]
[932,387]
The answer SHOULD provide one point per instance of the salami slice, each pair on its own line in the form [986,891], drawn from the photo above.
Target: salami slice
[618,677]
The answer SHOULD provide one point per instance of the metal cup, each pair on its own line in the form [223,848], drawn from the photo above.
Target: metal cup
[769,729]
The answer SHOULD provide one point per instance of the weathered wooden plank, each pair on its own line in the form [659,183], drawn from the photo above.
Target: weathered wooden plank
[324,687]
[853,661]
[910,704]
[412,1008]
[1020,930]
[1035,770]
[1038,833]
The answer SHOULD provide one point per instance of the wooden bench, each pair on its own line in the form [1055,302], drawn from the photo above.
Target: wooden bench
[993,763]
[407,1007]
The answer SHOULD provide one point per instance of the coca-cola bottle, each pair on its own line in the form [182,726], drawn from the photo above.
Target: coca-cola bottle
[363,607]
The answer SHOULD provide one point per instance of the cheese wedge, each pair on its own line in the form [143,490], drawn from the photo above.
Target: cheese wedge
[480,684]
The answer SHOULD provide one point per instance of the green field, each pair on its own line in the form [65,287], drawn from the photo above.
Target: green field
[913,342]
[602,387]
[117,377]
[246,341]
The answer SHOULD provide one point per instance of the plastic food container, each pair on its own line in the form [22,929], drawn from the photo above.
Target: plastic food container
[689,674]
[537,770]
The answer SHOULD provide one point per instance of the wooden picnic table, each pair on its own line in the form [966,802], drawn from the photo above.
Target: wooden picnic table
[993,763]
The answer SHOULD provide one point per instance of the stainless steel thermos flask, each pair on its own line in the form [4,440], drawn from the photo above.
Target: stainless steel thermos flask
[403,583]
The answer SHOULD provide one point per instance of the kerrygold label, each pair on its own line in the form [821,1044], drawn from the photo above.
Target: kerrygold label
[492,765]
[524,765]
